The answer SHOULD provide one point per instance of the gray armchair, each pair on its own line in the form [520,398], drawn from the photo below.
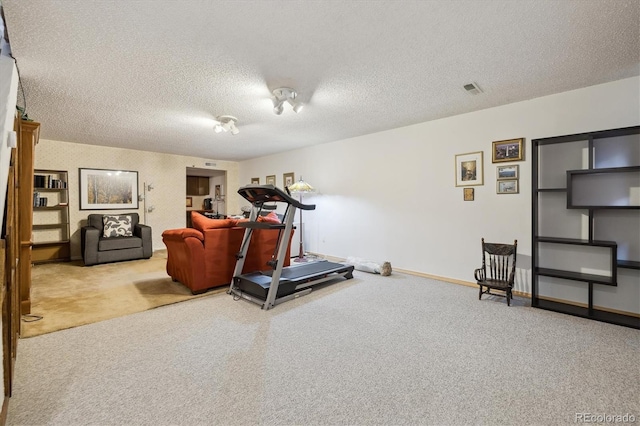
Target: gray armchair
[99,249]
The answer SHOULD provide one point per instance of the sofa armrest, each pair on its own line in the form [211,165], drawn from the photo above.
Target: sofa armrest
[186,257]
[144,232]
[89,238]
[182,233]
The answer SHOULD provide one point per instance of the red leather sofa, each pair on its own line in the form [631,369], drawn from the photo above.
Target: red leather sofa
[204,257]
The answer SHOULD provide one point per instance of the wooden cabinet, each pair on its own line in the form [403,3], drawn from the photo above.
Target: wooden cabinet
[28,135]
[197,185]
[50,217]
[586,222]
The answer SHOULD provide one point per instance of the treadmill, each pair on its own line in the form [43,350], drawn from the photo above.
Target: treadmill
[270,288]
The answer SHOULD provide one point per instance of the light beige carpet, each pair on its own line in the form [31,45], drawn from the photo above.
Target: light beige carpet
[69,294]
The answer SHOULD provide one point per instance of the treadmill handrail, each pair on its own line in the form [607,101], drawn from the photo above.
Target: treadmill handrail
[258,194]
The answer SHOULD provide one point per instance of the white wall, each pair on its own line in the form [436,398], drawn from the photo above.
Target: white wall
[392,195]
[167,172]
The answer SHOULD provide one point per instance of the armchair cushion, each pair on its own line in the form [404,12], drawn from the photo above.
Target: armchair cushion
[119,243]
[117,226]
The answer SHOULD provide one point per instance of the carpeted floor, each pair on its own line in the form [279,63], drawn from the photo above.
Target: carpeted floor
[69,294]
[398,350]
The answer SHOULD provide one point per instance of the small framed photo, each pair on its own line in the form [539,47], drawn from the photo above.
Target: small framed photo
[469,169]
[468,194]
[507,186]
[255,181]
[271,180]
[507,172]
[189,201]
[288,179]
[508,150]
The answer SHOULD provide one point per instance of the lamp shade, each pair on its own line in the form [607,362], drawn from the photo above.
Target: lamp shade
[301,186]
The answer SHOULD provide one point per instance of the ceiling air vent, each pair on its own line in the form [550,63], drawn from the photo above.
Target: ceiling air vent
[472,88]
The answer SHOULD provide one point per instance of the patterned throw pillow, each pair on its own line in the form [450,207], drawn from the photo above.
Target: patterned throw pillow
[117,226]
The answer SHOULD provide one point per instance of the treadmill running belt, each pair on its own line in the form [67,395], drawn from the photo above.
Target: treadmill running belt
[312,269]
[258,283]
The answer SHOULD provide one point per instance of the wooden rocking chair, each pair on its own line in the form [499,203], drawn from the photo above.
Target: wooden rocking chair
[498,269]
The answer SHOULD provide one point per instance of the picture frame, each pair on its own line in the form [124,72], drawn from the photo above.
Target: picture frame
[468,194]
[508,150]
[509,186]
[189,201]
[288,179]
[511,171]
[104,189]
[469,169]
[217,192]
[255,181]
[271,180]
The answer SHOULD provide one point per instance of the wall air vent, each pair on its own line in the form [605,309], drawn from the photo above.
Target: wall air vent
[210,164]
[472,88]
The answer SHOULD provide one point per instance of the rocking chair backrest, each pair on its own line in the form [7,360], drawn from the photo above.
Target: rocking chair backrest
[499,260]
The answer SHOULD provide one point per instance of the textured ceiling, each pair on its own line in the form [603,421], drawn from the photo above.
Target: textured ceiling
[152,75]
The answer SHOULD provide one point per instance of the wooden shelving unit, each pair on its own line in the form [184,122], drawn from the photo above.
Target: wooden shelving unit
[51,219]
[579,245]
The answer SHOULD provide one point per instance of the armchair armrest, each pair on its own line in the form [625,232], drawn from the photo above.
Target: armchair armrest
[144,232]
[89,238]
[479,274]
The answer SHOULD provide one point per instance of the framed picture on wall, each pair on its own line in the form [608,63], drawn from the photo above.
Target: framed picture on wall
[102,189]
[271,180]
[189,201]
[507,172]
[255,181]
[508,150]
[469,169]
[468,194]
[507,186]
[288,179]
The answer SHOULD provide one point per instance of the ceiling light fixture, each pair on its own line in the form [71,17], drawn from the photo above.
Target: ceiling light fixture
[226,123]
[282,95]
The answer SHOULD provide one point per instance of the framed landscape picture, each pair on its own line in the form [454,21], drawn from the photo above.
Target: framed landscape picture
[469,169]
[507,172]
[288,179]
[271,180]
[508,150]
[102,189]
[507,186]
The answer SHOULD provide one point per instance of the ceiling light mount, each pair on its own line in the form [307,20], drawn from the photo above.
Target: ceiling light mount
[282,95]
[226,123]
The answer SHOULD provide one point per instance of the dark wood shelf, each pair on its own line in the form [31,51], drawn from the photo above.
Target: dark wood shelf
[579,311]
[552,190]
[574,175]
[577,276]
[577,242]
[36,189]
[628,264]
